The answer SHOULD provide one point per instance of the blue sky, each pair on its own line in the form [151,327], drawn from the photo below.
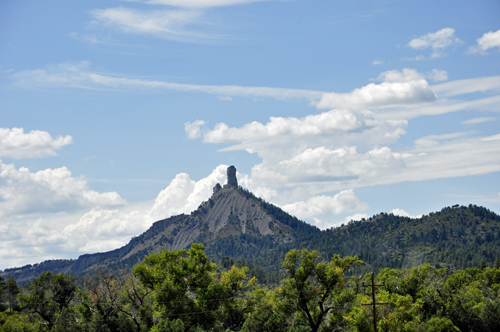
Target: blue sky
[115,114]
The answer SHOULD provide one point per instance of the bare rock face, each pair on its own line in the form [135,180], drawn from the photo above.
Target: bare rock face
[217,188]
[231,176]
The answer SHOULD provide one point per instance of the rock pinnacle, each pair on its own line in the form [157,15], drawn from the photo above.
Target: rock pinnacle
[231,176]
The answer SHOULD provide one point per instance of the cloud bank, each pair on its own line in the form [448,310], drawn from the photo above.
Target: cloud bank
[48,191]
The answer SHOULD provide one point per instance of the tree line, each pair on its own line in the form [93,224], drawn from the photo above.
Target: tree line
[185,291]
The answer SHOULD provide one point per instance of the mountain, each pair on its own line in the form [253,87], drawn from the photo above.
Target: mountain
[237,227]
[231,215]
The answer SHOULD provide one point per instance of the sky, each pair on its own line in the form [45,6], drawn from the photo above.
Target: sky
[115,114]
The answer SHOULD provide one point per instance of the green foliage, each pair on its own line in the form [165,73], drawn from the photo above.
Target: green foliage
[48,295]
[440,324]
[11,290]
[315,288]
[186,285]
[12,321]
[184,291]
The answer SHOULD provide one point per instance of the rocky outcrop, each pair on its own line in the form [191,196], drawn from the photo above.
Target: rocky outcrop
[231,176]
[229,203]
[217,188]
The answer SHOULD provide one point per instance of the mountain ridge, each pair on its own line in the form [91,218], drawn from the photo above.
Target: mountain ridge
[229,212]
[234,224]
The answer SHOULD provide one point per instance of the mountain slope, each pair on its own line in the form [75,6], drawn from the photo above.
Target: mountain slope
[237,227]
[230,213]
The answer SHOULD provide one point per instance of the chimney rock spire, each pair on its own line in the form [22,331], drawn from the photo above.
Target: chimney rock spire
[231,176]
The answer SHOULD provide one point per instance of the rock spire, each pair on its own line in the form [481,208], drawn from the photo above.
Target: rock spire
[231,176]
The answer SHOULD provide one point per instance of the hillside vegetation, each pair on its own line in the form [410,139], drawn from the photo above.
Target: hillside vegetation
[184,291]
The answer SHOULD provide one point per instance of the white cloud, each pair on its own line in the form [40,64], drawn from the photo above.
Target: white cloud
[396,76]
[356,217]
[487,41]
[417,58]
[377,62]
[77,75]
[102,230]
[169,24]
[398,88]
[490,104]
[200,3]
[47,191]
[431,140]
[313,170]
[326,123]
[438,41]
[296,168]
[478,120]
[320,206]
[193,130]
[437,75]
[408,75]
[470,85]
[491,138]
[399,212]
[403,213]
[184,195]
[16,144]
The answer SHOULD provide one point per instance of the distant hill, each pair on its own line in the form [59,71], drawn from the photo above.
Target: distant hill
[456,237]
[237,227]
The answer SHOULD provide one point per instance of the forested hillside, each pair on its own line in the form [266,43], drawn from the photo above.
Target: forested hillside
[184,291]
[456,237]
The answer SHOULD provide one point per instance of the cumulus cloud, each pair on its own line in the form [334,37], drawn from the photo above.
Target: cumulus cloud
[487,41]
[408,74]
[400,212]
[325,123]
[282,139]
[102,230]
[16,144]
[184,195]
[397,88]
[47,191]
[438,41]
[396,76]
[320,206]
[193,130]
[437,75]
[320,169]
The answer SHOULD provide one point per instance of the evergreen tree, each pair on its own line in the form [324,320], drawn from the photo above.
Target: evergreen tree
[11,290]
